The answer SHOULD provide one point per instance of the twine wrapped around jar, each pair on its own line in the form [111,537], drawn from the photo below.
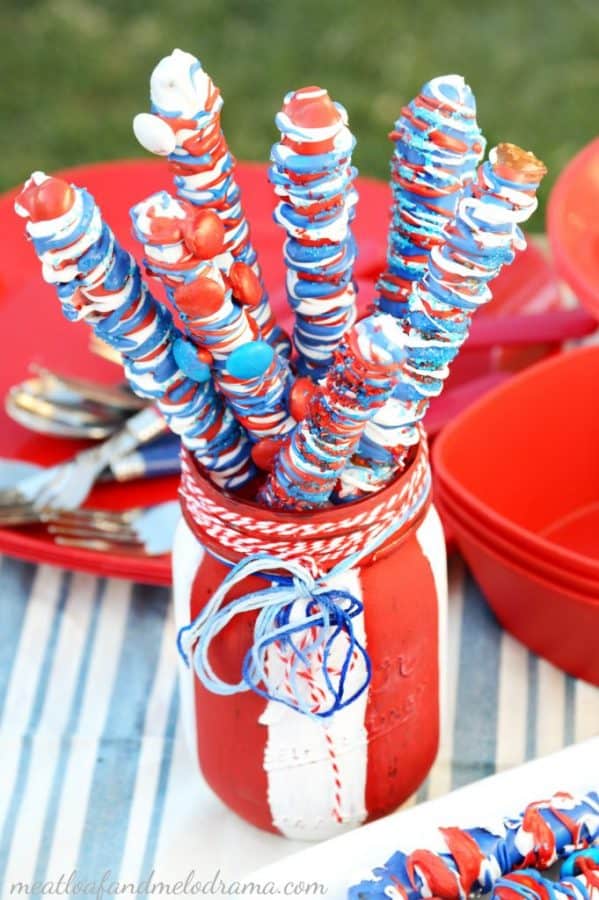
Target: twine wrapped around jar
[318,540]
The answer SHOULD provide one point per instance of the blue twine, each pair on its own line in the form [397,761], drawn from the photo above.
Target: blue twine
[287,610]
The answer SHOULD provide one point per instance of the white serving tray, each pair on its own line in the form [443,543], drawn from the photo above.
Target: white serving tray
[339,863]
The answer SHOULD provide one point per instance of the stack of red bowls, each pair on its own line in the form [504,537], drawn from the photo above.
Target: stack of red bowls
[517,480]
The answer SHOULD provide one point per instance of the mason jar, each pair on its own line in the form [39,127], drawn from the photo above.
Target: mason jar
[284,771]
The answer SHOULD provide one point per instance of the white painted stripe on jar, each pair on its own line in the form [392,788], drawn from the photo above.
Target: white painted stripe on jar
[317,768]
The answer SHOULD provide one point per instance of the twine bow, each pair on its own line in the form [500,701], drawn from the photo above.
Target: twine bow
[303,618]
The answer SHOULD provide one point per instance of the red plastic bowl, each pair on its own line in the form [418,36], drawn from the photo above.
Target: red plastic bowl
[573,225]
[510,552]
[545,569]
[504,534]
[524,461]
[555,623]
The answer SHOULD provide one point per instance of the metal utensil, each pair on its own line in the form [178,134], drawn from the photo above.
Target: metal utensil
[61,413]
[39,424]
[104,350]
[68,484]
[162,456]
[157,458]
[14,470]
[147,530]
[118,397]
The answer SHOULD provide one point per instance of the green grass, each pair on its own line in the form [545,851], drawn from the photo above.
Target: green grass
[74,72]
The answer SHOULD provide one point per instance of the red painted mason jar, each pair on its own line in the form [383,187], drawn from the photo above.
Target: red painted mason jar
[280,769]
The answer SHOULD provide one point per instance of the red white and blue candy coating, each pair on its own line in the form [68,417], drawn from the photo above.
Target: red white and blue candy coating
[255,381]
[185,126]
[582,883]
[472,860]
[214,300]
[312,174]
[99,281]
[249,372]
[213,319]
[483,237]
[361,378]
[178,252]
[438,145]
[179,241]
[581,861]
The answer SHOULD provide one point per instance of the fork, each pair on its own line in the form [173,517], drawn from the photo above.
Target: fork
[147,531]
[67,485]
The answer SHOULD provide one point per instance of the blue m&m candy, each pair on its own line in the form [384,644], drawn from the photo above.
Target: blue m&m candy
[186,357]
[250,360]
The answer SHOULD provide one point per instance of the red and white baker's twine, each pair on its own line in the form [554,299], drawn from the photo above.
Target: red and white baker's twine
[310,542]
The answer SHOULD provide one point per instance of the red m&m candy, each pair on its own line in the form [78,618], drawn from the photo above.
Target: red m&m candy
[299,397]
[311,107]
[245,284]
[204,234]
[265,452]
[203,297]
[163,229]
[48,200]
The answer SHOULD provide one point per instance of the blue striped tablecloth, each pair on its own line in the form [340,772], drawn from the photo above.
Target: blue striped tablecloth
[94,773]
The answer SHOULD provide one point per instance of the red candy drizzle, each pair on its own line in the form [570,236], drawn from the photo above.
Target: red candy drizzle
[467,854]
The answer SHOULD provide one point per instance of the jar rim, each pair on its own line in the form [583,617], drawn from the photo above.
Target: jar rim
[330,514]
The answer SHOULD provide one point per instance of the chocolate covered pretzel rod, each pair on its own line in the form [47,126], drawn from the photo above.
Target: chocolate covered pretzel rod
[579,880]
[471,860]
[483,237]
[185,126]
[99,281]
[364,371]
[214,297]
[437,147]
[313,176]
